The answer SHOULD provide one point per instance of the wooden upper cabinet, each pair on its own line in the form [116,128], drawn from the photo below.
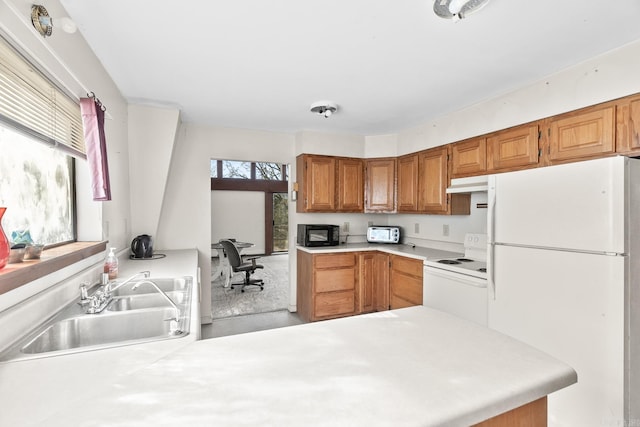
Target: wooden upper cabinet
[350,189]
[380,185]
[316,183]
[469,157]
[587,133]
[628,125]
[408,183]
[514,148]
[433,181]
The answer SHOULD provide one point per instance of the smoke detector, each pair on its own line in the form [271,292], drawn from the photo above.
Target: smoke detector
[325,108]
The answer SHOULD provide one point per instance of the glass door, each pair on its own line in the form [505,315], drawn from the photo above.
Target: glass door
[280,222]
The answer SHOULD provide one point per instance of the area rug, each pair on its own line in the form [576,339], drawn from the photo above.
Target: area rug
[227,302]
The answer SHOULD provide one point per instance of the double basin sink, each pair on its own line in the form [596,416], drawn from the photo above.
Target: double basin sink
[136,313]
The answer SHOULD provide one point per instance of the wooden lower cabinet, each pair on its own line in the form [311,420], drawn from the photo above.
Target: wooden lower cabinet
[340,284]
[373,282]
[532,414]
[405,282]
[326,285]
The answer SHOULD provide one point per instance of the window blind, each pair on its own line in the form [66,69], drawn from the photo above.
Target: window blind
[32,104]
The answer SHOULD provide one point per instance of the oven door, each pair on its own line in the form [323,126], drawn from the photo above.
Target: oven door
[457,294]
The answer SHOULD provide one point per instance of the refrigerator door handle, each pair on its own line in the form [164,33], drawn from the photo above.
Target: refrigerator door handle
[491,235]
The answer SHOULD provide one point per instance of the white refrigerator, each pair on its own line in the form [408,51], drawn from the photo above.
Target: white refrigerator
[563,270]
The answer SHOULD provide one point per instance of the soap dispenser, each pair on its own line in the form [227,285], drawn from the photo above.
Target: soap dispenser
[111,264]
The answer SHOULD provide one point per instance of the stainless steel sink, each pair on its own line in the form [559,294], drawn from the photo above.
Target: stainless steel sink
[104,329]
[132,317]
[167,284]
[136,302]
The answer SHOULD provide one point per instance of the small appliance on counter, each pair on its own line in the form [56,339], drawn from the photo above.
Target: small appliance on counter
[142,247]
[311,235]
[383,234]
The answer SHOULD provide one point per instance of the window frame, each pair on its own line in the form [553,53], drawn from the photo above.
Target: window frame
[62,254]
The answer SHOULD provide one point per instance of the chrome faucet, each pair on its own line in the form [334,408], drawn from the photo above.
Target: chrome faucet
[173,304]
[109,289]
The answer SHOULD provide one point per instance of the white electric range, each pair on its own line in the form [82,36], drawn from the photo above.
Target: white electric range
[459,285]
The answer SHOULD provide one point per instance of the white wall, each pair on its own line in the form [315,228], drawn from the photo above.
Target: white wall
[239,215]
[186,214]
[609,76]
[152,134]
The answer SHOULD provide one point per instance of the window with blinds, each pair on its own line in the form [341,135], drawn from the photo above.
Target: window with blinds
[32,104]
[37,180]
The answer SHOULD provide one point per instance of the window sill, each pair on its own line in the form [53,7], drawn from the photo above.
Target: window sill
[15,275]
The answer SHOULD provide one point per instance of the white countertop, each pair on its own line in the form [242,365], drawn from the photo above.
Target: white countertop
[32,390]
[408,367]
[417,252]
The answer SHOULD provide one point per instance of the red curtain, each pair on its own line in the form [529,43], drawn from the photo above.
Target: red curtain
[96,147]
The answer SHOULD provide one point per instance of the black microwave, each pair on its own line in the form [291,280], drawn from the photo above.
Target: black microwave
[318,235]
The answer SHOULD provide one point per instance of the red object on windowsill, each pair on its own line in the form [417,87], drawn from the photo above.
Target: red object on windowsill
[4,243]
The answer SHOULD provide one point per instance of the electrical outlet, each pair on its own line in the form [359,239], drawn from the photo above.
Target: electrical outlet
[345,227]
[445,229]
[416,228]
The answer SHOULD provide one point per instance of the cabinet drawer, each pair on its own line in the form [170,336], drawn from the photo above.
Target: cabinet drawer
[334,304]
[407,265]
[340,279]
[334,260]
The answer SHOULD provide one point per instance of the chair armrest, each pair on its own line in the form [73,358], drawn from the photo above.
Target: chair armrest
[252,259]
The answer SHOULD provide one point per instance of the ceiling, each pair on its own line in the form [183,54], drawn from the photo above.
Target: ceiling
[389,65]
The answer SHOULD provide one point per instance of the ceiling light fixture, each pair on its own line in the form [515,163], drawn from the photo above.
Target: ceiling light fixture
[325,108]
[43,23]
[457,9]
[41,20]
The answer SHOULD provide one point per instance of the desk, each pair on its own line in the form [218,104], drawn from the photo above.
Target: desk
[224,268]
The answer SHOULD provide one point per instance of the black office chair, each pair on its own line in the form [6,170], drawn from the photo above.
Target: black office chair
[247,265]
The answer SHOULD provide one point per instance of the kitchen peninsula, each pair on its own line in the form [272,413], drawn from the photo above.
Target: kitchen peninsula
[410,367]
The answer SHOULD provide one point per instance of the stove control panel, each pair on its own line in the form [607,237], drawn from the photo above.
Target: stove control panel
[475,241]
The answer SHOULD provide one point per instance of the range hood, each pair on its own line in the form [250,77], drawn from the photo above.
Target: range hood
[469,184]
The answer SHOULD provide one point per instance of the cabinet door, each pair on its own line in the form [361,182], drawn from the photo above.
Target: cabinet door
[373,282]
[380,185]
[628,126]
[432,186]
[587,134]
[469,157]
[381,281]
[513,148]
[350,185]
[366,283]
[319,183]
[408,183]
[405,282]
